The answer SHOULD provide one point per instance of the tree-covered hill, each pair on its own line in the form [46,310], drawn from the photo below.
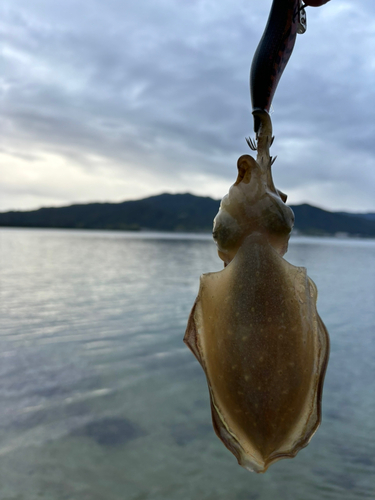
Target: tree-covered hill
[177,212]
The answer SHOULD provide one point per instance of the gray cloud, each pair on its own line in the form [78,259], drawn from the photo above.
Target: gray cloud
[155,96]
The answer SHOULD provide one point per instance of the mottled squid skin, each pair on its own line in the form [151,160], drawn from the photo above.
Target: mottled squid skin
[254,327]
[256,332]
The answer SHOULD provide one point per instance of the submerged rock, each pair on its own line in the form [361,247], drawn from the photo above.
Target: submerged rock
[111,431]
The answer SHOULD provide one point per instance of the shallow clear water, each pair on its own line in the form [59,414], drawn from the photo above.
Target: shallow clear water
[100,399]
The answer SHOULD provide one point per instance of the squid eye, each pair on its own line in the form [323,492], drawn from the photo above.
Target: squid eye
[242,171]
[245,165]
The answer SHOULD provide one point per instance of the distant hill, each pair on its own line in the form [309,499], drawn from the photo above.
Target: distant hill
[362,216]
[315,221]
[166,212]
[177,212]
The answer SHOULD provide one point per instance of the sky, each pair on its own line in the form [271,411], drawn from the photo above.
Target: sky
[123,99]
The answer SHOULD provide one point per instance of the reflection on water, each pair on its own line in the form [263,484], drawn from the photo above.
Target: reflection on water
[100,399]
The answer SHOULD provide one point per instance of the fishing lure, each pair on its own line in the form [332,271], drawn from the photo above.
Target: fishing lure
[254,327]
[273,52]
[286,19]
[315,3]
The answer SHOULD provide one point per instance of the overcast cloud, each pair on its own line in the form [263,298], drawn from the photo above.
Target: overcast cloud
[115,100]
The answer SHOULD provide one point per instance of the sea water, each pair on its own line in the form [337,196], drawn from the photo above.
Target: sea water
[101,400]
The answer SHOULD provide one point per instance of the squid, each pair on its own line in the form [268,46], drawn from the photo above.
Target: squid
[254,326]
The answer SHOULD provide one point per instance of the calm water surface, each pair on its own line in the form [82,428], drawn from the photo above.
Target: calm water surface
[101,400]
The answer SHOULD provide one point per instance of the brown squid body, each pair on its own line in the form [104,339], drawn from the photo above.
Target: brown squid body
[254,327]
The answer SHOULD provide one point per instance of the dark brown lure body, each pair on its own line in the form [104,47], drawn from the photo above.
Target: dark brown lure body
[273,53]
[315,3]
